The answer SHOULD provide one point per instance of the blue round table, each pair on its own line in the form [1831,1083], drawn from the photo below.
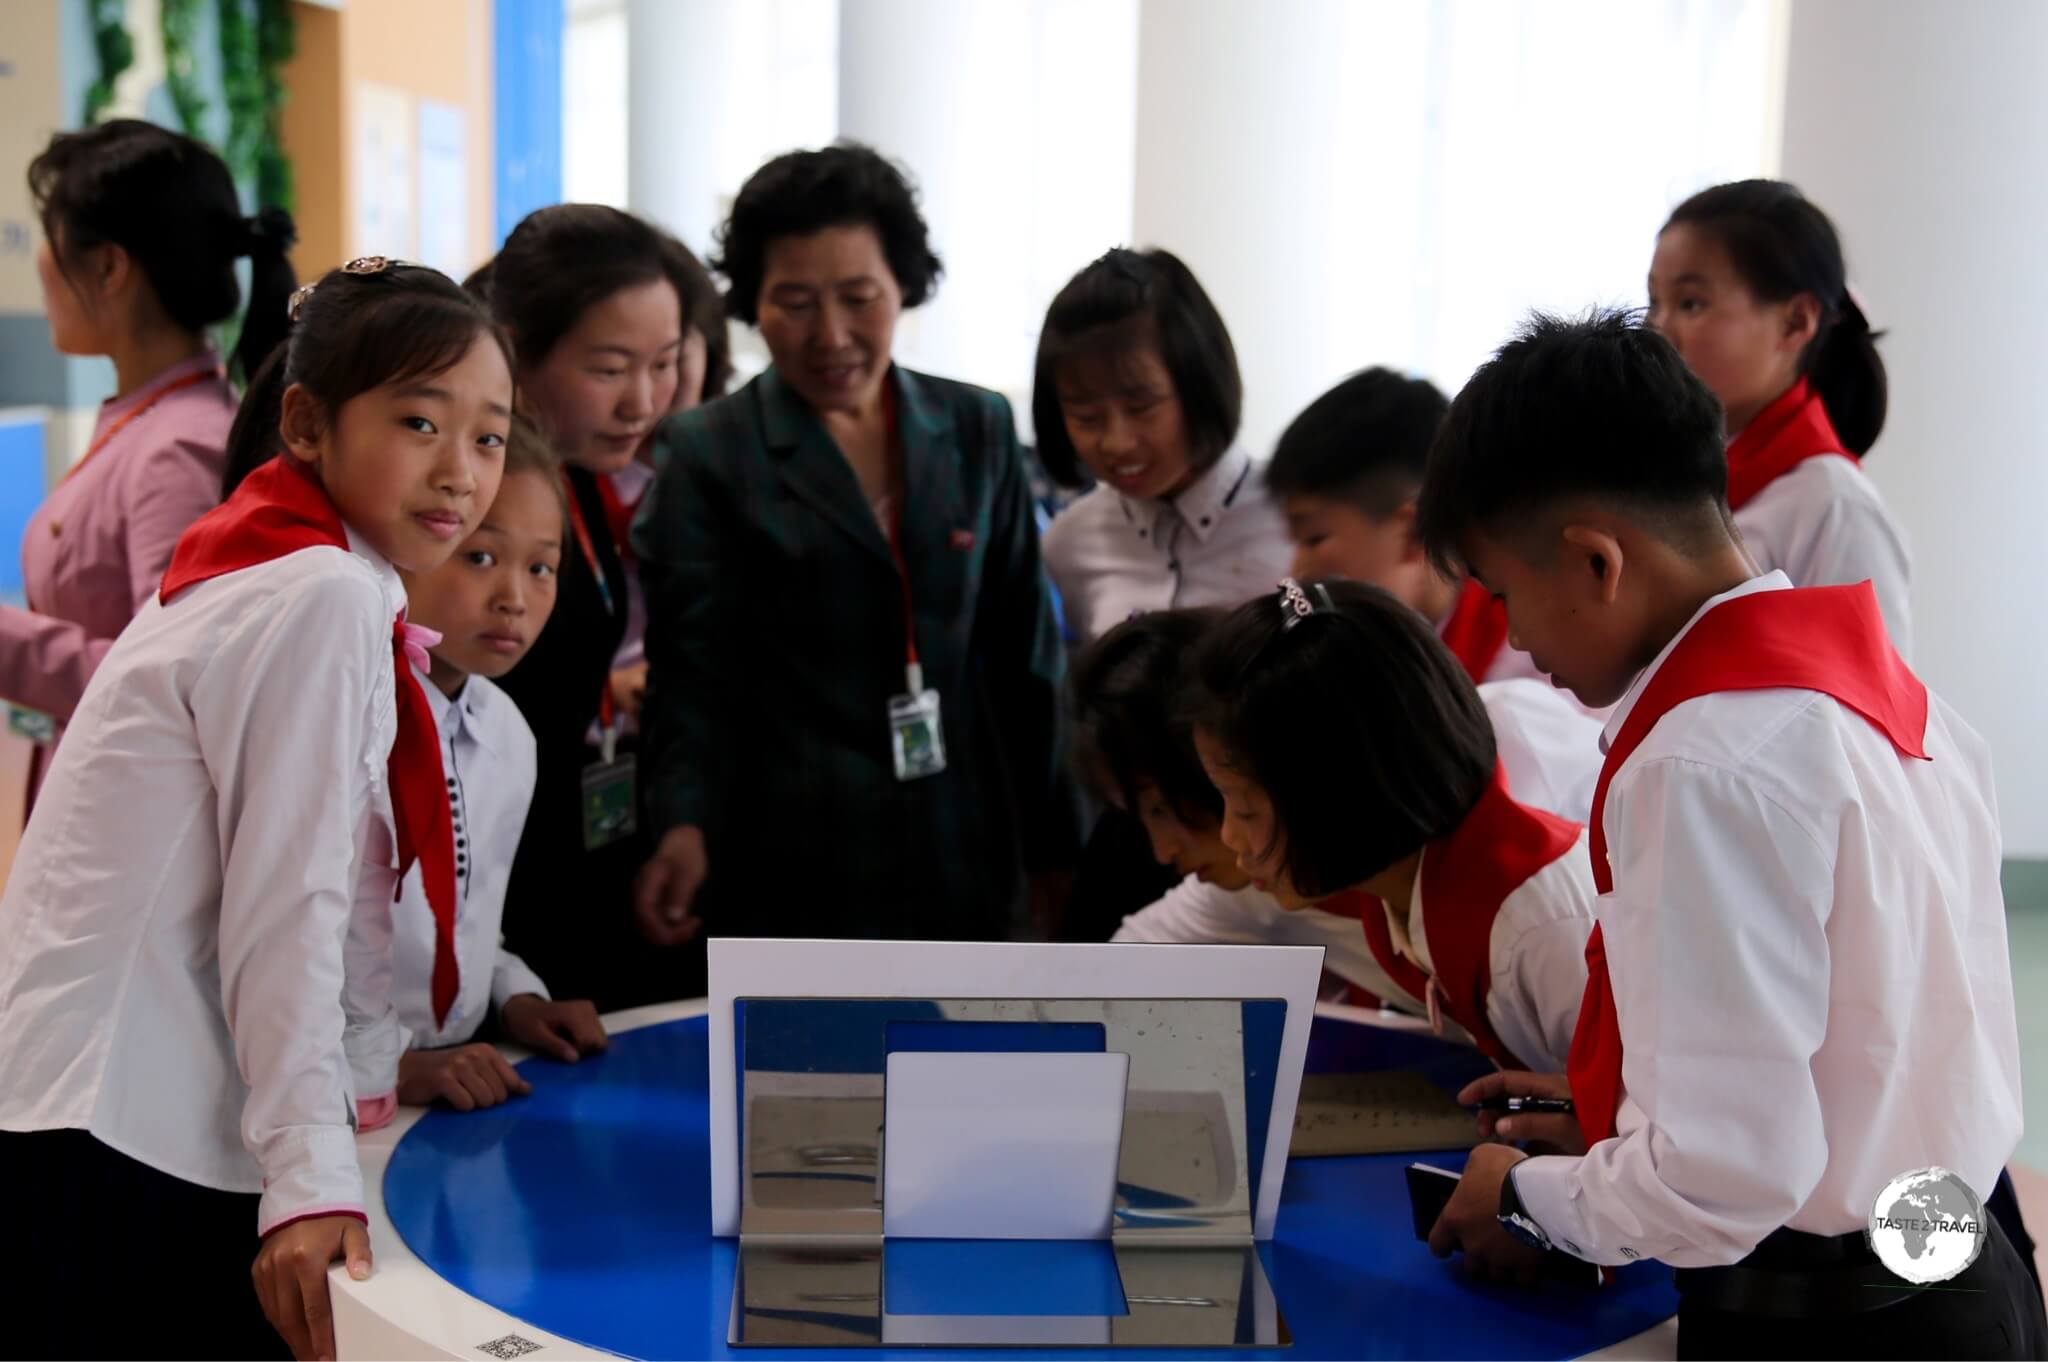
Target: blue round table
[584,1209]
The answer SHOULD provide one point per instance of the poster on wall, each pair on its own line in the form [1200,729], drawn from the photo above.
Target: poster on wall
[386,162]
[444,188]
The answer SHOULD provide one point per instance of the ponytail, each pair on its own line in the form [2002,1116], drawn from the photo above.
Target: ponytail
[371,323]
[1783,245]
[170,203]
[1845,369]
[267,240]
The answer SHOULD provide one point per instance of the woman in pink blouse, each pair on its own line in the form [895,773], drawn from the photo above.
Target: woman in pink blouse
[141,231]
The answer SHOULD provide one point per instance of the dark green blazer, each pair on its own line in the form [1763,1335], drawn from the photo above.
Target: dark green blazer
[775,638]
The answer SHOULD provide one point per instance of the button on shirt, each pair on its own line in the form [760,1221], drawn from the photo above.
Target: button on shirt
[1808,950]
[487,752]
[1220,542]
[172,933]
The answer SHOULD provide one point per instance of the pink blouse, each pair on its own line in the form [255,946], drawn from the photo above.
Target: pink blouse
[97,547]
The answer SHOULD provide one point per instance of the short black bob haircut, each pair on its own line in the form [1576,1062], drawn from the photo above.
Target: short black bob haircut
[1124,301]
[804,192]
[1783,245]
[1125,690]
[1365,441]
[1355,719]
[1596,407]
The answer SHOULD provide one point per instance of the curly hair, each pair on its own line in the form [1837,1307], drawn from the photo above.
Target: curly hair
[802,192]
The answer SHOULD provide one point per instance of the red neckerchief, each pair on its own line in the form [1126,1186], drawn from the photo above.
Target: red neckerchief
[1784,435]
[278,510]
[1829,639]
[1477,630]
[1466,876]
[618,515]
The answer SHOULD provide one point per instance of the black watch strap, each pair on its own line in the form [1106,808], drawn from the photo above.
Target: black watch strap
[1515,1219]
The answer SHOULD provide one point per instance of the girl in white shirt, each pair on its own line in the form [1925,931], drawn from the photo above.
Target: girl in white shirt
[191,1022]
[1359,772]
[1749,284]
[1137,386]
[488,603]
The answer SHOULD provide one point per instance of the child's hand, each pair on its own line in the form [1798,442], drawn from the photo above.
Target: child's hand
[466,1077]
[290,1273]
[1553,1134]
[565,1031]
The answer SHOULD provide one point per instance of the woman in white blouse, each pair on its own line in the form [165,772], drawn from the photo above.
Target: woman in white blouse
[1137,387]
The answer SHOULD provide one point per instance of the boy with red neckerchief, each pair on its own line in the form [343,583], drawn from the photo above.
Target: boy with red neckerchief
[1798,989]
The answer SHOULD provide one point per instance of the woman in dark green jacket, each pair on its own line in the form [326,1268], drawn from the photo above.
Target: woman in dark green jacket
[852,719]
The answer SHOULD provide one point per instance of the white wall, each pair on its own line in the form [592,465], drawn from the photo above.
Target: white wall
[1919,128]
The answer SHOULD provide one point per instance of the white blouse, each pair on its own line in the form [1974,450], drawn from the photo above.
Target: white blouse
[487,752]
[172,934]
[1824,524]
[1220,542]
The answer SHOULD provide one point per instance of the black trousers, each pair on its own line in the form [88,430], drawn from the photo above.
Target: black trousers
[105,1257]
[1991,1310]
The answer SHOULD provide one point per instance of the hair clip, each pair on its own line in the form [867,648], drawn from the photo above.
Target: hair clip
[297,304]
[370,264]
[1295,605]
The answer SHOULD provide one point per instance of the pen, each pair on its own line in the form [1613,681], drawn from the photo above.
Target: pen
[1528,1106]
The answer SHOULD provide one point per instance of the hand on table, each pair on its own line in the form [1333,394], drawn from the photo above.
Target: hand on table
[466,1077]
[290,1273]
[566,1030]
[1471,1222]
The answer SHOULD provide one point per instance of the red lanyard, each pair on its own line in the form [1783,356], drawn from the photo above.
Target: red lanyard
[913,671]
[581,527]
[107,435]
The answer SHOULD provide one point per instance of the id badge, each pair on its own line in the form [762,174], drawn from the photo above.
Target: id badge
[32,724]
[915,735]
[609,802]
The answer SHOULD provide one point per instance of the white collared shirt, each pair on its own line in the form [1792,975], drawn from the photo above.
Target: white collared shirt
[1537,954]
[1550,750]
[1808,951]
[1824,524]
[487,752]
[172,936]
[1549,747]
[1220,542]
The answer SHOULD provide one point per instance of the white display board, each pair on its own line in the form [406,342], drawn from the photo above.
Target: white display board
[755,968]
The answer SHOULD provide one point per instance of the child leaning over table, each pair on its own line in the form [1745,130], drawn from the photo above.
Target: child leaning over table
[488,602]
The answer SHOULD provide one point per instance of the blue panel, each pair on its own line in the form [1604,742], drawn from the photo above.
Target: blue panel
[21,491]
[1265,1019]
[822,1035]
[527,108]
[585,1208]
[1001,1277]
[998,1038]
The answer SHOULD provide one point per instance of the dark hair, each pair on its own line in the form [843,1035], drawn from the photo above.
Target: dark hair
[1363,730]
[527,450]
[802,192]
[1365,441]
[562,260]
[702,309]
[1599,406]
[353,333]
[1125,690]
[169,203]
[1122,301]
[1782,246]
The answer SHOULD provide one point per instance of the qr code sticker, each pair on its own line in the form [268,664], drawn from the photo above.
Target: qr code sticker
[508,1347]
